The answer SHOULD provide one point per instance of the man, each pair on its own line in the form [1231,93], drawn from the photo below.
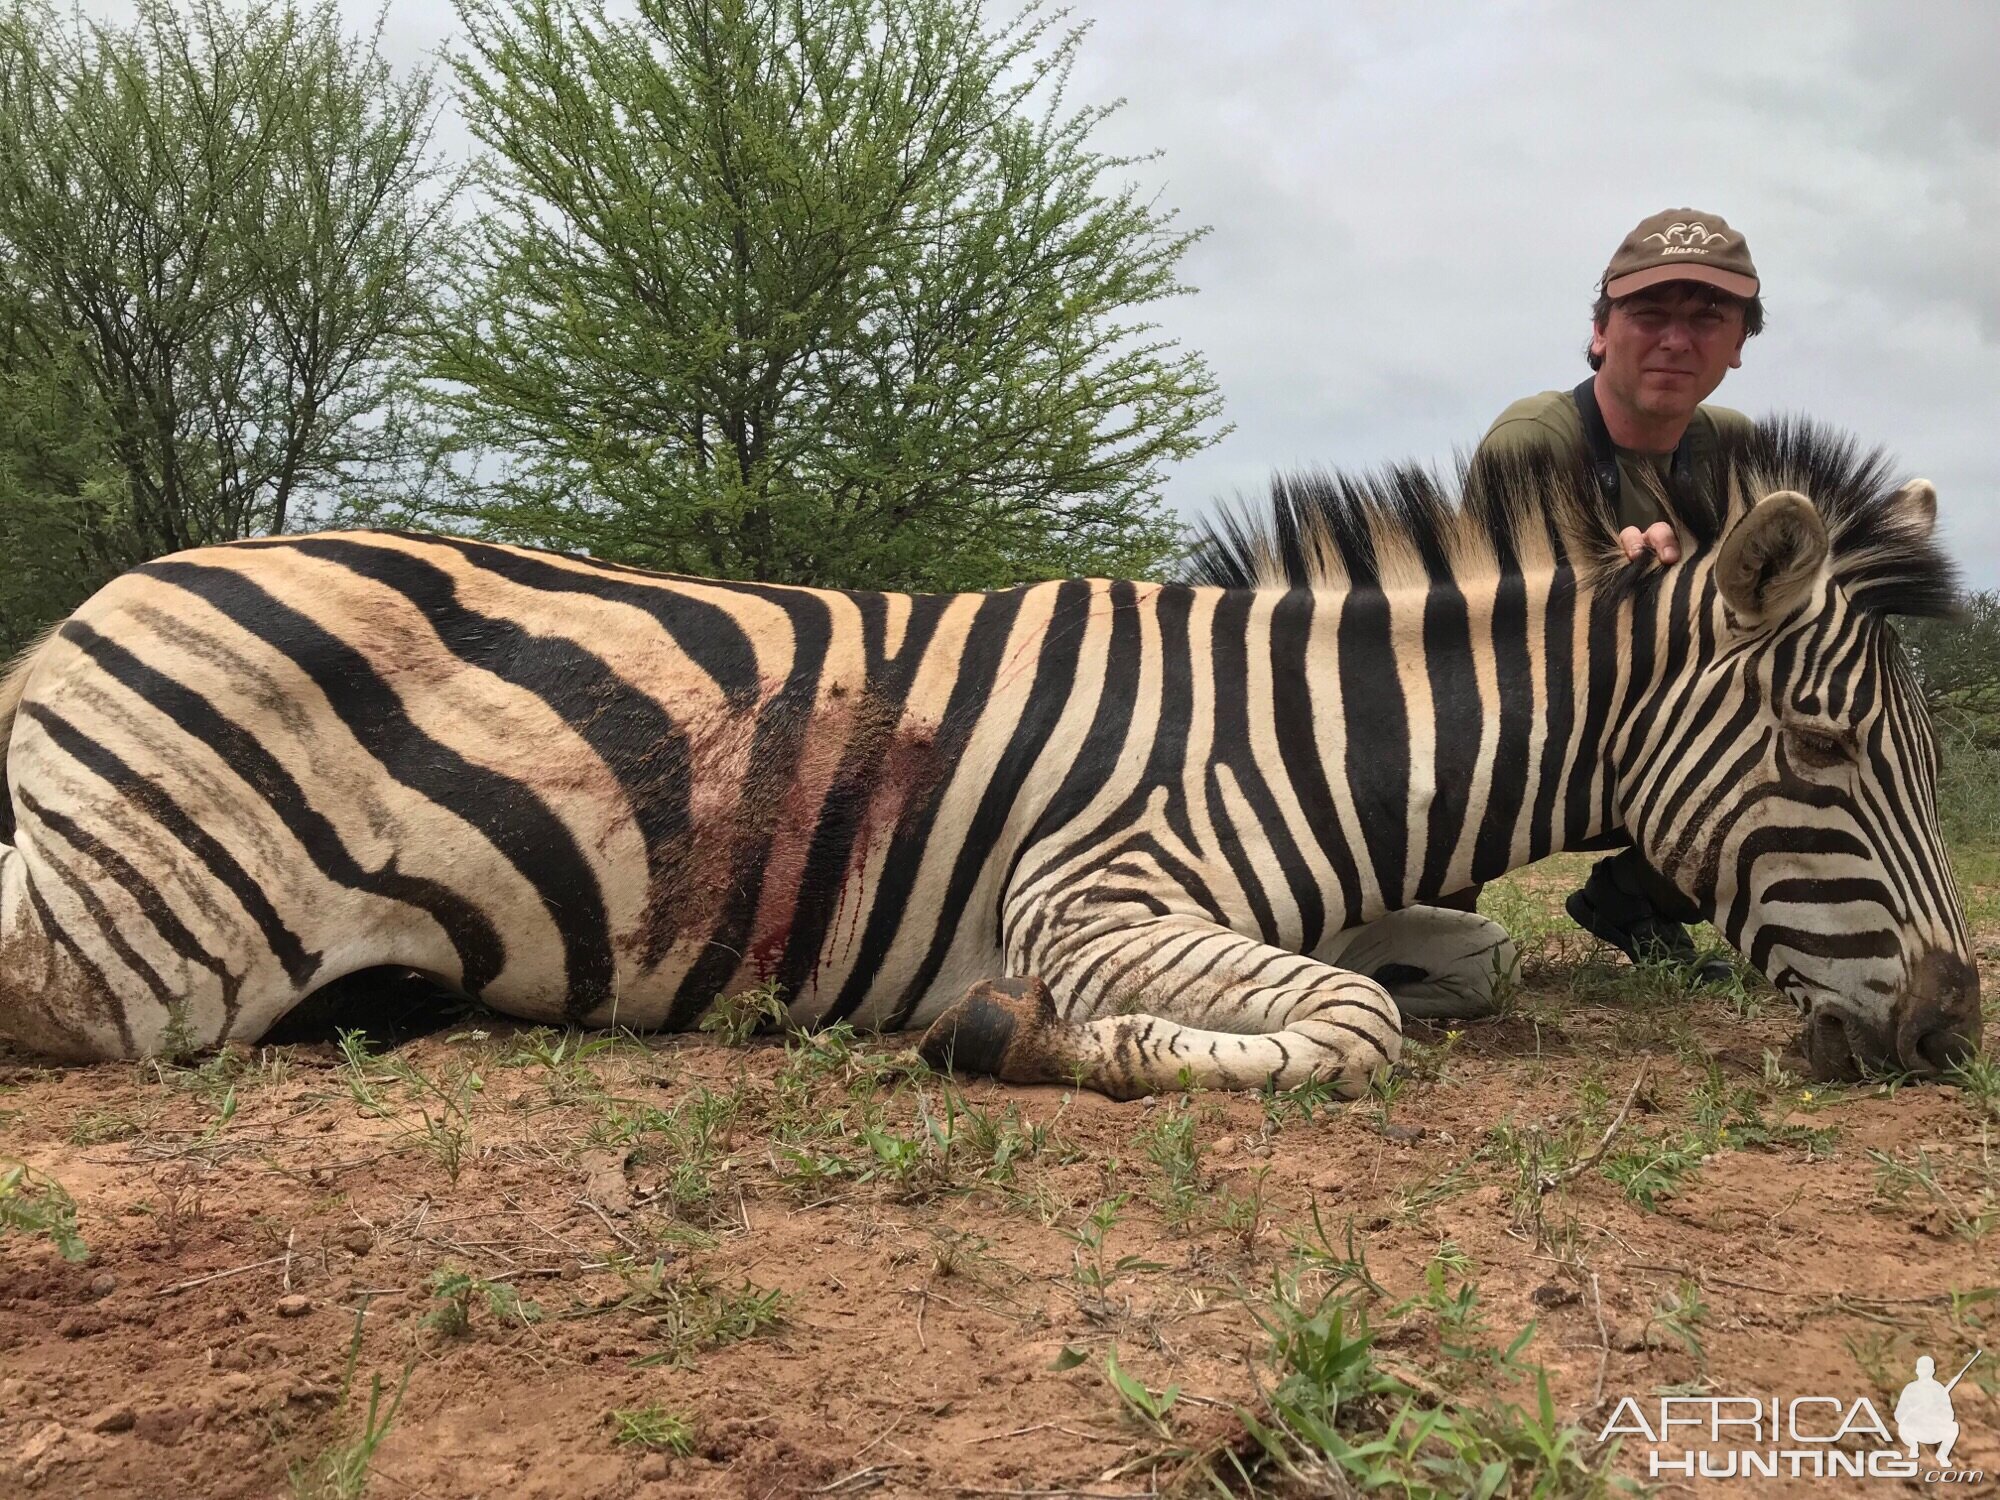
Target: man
[1674,308]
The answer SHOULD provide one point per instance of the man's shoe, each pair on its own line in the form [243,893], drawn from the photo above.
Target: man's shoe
[1635,931]
[1630,905]
[1713,972]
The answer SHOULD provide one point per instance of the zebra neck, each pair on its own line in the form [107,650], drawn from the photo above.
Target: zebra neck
[1461,731]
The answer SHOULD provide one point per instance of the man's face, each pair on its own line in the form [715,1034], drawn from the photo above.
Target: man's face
[1666,349]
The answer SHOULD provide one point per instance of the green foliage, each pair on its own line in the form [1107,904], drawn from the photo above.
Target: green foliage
[691,1140]
[1970,1215]
[1170,1145]
[214,227]
[1317,1096]
[36,1205]
[830,294]
[1958,662]
[654,1427]
[690,1313]
[1092,1271]
[1969,792]
[360,1072]
[1337,1422]
[64,521]
[1653,1169]
[454,1292]
[1957,659]
[1679,1315]
[1147,1406]
[734,1019]
[101,1126]
[341,1472]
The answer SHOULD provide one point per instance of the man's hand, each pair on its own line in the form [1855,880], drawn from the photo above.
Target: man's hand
[1658,539]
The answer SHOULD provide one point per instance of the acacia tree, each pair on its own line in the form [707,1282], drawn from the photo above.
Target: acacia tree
[63,516]
[831,292]
[215,228]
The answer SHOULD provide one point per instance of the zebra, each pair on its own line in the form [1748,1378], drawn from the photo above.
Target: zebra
[1129,836]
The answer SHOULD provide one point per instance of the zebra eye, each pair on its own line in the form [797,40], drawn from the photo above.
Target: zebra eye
[1821,748]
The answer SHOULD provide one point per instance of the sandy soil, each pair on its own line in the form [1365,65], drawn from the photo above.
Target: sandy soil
[768,1255]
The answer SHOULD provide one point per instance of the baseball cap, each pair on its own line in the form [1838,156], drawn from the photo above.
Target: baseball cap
[1681,244]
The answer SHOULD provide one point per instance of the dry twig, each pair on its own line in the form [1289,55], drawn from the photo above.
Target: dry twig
[1576,1169]
[182,1286]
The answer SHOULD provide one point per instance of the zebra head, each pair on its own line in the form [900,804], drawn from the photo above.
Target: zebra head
[1785,775]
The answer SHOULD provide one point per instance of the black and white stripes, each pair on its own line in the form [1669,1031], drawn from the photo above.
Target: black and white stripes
[585,792]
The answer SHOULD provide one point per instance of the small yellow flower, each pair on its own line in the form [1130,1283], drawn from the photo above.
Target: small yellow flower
[1452,1036]
[1805,1096]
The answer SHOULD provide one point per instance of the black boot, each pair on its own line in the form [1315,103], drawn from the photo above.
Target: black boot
[1634,908]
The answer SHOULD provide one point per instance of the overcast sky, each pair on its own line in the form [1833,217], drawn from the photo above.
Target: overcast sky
[1410,206]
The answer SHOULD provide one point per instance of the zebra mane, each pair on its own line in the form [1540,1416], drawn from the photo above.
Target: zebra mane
[1507,515]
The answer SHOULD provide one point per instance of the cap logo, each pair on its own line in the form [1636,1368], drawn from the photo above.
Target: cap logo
[1690,237]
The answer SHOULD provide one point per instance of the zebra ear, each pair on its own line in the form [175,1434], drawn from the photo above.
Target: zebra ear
[1915,506]
[1771,557]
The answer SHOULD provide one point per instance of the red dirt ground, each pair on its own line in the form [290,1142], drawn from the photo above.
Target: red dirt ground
[238,1212]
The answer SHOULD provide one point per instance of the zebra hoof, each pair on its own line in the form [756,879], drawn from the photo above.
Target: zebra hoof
[1001,1028]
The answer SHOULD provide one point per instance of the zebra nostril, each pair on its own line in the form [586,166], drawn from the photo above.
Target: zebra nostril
[1945,1049]
[1939,1028]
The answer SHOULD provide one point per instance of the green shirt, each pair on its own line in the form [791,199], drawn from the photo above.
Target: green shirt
[1551,420]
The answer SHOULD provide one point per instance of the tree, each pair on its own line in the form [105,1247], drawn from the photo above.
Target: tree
[215,229]
[828,293]
[64,523]
[1957,660]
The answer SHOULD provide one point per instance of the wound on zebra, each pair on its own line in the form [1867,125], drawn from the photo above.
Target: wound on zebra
[1122,834]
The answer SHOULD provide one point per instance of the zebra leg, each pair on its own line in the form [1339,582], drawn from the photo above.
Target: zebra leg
[1167,1003]
[1438,964]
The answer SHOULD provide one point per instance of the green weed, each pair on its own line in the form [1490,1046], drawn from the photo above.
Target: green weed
[361,1072]
[691,1140]
[341,1472]
[1089,1267]
[692,1312]
[455,1292]
[1679,1315]
[653,1427]
[101,1127]
[1656,1168]
[1336,1423]
[1318,1096]
[565,1059]
[734,1019]
[1170,1145]
[35,1205]
[1148,1406]
[444,1113]
[1896,1181]
[1340,1268]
